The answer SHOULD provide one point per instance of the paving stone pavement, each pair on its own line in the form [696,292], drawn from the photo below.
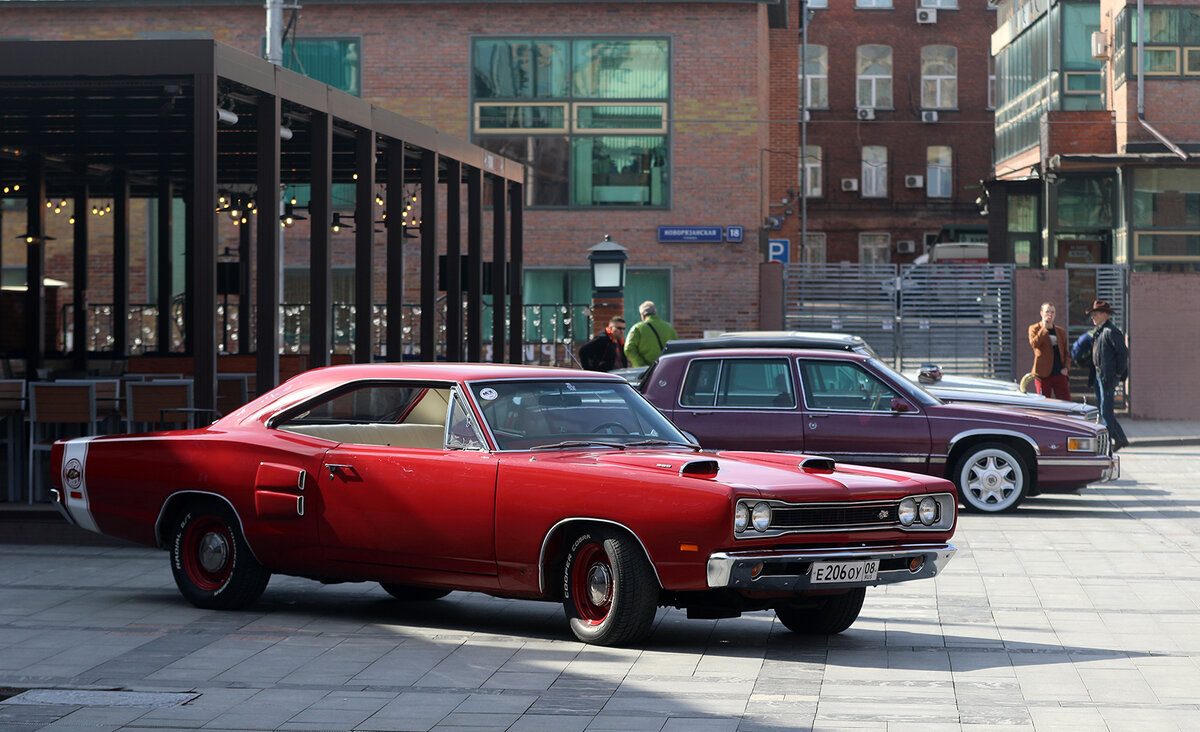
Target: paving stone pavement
[1075,613]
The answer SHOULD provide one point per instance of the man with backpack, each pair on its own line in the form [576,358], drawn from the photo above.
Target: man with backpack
[646,340]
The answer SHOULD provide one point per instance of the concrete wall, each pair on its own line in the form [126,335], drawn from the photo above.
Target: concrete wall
[1164,346]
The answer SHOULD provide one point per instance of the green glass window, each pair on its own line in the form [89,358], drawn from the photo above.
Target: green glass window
[580,151]
[333,61]
[1085,202]
[1166,198]
[618,170]
[1022,213]
[520,69]
[620,69]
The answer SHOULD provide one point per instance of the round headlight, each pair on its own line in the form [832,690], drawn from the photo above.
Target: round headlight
[741,518]
[908,512]
[928,511]
[761,517]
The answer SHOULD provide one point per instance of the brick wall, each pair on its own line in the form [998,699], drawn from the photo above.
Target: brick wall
[905,213]
[416,62]
[1079,133]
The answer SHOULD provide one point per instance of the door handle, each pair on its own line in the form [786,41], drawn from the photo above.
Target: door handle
[333,469]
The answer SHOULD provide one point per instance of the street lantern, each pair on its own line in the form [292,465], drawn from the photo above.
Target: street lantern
[608,268]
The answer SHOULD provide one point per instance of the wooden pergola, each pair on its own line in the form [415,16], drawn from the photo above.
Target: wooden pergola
[140,119]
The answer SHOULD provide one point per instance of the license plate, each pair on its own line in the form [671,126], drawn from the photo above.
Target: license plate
[831,572]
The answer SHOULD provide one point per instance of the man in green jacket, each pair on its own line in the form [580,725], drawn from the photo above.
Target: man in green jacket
[645,342]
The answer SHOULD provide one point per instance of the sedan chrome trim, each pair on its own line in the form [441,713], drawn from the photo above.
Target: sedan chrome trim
[1090,461]
[790,571]
[993,432]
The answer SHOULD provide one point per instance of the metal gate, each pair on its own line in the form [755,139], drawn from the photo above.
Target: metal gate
[959,316]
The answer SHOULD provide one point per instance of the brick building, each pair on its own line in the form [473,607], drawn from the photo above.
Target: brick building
[634,117]
[899,131]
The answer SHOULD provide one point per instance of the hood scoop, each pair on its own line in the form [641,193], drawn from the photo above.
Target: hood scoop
[817,463]
[700,468]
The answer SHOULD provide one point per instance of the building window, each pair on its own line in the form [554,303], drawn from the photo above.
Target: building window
[810,171]
[587,115]
[874,171]
[815,4]
[875,76]
[991,99]
[938,183]
[939,77]
[332,61]
[943,4]
[814,249]
[816,77]
[874,248]
[872,3]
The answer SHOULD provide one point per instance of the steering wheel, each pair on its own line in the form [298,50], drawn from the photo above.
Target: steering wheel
[608,428]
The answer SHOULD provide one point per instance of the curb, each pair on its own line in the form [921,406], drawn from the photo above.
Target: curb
[1163,441]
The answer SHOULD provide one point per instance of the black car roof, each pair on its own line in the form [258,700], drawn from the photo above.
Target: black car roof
[773,339]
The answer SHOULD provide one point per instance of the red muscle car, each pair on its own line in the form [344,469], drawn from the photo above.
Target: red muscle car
[522,482]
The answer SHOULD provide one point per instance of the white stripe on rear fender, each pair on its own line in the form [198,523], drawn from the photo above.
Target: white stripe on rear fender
[74,483]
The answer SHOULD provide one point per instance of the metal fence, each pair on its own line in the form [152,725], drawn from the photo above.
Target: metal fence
[551,330]
[959,316]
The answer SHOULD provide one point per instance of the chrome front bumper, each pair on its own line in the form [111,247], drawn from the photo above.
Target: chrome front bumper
[1113,471]
[790,571]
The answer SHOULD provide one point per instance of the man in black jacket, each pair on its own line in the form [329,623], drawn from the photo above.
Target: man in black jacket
[1110,356]
[606,351]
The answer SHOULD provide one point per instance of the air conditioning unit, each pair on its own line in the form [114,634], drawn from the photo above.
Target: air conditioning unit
[906,246]
[993,4]
[929,116]
[926,15]
[849,184]
[914,181]
[866,113]
[1099,46]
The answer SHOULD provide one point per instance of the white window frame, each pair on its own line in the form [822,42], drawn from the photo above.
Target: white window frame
[814,248]
[818,4]
[874,247]
[874,82]
[810,79]
[941,4]
[944,85]
[939,173]
[812,161]
[874,173]
[873,4]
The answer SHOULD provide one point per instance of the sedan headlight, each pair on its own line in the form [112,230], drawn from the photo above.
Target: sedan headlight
[761,517]
[928,511]
[907,512]
[741,518]
[1081,444]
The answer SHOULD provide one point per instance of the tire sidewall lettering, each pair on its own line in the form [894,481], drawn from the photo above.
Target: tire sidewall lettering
[574,551]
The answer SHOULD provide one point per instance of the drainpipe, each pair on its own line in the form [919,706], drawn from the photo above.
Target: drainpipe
[274,31]
[1141,94]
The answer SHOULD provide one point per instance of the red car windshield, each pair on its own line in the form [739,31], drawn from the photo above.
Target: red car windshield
[527,415]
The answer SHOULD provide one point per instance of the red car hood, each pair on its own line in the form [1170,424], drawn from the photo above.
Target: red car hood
[786,476]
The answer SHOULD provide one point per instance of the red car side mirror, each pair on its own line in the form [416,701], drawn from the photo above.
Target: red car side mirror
[899,405]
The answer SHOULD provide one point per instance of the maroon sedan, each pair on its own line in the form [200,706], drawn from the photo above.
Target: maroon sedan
[855,409]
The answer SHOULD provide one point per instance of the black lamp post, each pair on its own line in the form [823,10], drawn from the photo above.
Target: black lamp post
[608,260]
[608,268]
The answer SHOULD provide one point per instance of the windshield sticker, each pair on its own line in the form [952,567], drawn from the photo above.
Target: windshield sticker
[570,386]
[488,393]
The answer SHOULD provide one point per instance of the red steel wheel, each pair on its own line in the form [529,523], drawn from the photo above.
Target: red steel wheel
[610,593]
[211,562]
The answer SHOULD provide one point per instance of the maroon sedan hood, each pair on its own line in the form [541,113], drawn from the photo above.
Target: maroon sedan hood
[999,415]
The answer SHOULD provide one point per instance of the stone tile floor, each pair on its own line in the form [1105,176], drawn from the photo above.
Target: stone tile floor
[1074,613]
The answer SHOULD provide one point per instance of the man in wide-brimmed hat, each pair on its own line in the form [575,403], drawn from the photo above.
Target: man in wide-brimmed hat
[1110,356]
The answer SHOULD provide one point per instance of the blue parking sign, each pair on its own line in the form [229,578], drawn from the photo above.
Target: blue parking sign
[779,250]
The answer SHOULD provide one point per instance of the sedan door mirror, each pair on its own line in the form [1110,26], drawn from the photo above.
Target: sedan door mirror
[899,405]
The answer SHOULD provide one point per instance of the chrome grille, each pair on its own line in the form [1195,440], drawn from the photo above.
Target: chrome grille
[1102,442]
[857,515]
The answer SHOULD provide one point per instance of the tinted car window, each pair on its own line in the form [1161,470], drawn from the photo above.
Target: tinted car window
[844,386]
[738,382]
